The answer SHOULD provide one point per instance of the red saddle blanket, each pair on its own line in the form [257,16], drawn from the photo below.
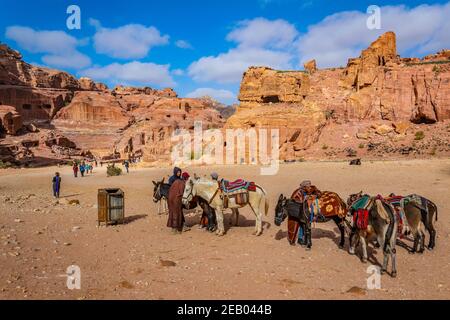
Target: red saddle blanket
[237,185]
[361,219]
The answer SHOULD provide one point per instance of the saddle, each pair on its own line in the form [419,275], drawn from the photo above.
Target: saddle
[237,190]
[309,195]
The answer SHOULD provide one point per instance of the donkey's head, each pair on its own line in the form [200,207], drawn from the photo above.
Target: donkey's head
[157,190]
[189,190]
[280,210]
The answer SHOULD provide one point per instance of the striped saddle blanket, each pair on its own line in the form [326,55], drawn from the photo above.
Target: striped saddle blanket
[399,202]
[237,186]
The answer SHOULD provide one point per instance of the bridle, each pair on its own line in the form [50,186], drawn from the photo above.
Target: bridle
[190,195]
[157,193]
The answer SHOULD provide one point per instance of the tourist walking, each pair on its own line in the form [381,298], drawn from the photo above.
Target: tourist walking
[56,183]
[75,169]
[82,168]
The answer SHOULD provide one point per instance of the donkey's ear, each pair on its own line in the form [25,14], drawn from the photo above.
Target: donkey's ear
[154,183]
[162,181]
[281,197]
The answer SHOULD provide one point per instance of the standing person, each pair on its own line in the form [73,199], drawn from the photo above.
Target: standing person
[96,163]
[56,181]
[82,168]
[176,175]
[127,165]
[176,218]
[75,169]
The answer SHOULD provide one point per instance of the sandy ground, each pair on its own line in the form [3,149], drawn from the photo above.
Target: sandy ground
[40,239]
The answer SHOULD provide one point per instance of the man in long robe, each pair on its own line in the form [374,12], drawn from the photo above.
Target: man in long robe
[176,217]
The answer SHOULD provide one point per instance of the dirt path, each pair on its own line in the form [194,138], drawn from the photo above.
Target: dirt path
[40,239]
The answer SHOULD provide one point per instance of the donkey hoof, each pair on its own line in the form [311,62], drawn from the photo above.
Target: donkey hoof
[364,260]
[383,271]
[394,274]
[258,234]
[431,248]
[341,246]
[412,252]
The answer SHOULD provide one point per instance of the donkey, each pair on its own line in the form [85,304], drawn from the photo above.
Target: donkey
[161,195]
[332,207]
[212,193]
[428,213]
[382,225]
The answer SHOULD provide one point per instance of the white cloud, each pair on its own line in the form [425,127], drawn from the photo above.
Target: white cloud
[229,67]
[183,44]
[260,42]
[260,32]
[133,73]
[178,72]
[74,60]
[60,49]
[420,30]
[221,95]
[132,41]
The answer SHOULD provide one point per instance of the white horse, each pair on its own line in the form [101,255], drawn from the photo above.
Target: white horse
[210,191]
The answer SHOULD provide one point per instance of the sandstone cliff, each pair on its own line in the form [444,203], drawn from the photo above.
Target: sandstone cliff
[378,88]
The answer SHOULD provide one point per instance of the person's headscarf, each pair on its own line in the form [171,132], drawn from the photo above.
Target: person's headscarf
[185,176]
[214,176]
[174,177]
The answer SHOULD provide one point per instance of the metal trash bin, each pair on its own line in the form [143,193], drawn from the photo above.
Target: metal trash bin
[111,206]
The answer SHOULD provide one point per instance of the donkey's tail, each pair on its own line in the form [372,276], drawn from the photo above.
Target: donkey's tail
[391,228]
[435,209]
[266,206]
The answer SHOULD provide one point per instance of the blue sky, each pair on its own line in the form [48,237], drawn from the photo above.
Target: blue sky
[202,47]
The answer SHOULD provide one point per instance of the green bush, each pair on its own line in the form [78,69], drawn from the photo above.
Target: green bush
[4,165]
[361,146]
[113,171]
[324,147]
[420,135]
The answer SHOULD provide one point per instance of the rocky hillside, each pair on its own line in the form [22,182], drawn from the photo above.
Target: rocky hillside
[380,101]
[48,115]
[379,106]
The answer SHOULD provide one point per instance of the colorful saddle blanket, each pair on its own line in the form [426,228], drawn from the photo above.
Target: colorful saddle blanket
[237,186]
[399,202]
[362,203]
[361,219]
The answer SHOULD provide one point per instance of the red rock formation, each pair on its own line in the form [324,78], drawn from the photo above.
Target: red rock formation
[10,120]
[378,85]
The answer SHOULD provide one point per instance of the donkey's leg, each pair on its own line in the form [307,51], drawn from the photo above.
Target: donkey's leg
[353,241]
[416,242]
[340,224]
[236,214]
[220,227]
[431,230]
[364,249]
[422,239]
[394,260]
[308,234]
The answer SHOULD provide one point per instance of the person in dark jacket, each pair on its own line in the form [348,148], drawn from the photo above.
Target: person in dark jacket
[56,181]
[176,175]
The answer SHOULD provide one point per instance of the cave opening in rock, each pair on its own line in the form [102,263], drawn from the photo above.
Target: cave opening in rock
[423,120]
[47,106]
[26,106]
[271,99]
